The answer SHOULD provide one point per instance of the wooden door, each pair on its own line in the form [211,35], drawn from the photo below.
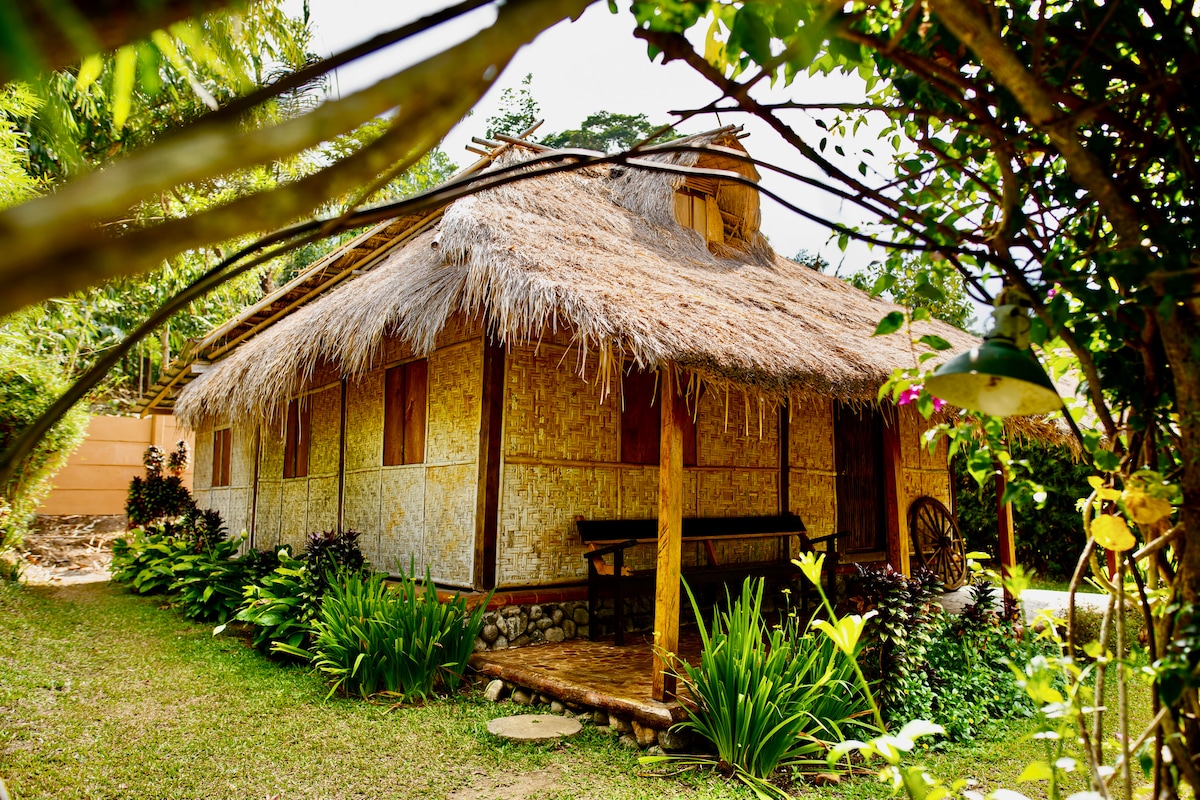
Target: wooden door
[858,450]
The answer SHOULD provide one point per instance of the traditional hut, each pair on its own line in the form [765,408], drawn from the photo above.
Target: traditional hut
[462,385]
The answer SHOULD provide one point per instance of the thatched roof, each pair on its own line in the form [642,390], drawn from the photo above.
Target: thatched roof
[600,253]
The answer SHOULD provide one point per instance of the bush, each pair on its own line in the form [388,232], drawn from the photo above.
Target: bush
[332,552]
[401,640]
[281,603]
[145,563]
[209,581]
[27,388]
[158,496]
[767,698]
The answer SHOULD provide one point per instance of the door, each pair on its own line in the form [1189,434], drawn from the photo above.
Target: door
[858,451]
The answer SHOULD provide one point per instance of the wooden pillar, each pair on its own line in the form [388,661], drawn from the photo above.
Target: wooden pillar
[1006,536]
[670,534]
[899,550]
[487,496]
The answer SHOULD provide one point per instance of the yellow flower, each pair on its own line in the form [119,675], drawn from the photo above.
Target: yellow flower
[1111,533]
[1144,509]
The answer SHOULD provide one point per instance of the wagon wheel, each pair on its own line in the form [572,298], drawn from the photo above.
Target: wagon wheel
[937,541]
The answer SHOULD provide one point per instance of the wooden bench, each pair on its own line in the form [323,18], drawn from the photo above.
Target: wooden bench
[614,537]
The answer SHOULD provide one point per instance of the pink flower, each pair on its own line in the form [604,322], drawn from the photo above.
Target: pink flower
[1053,291]
[909,395]
[938,403]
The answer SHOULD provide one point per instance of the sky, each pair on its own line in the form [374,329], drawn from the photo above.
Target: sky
[596,64]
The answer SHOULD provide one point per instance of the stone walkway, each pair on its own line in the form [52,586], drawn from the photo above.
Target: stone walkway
[1032,601]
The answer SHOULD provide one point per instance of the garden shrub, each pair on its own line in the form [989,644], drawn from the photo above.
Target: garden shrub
[27,388]
[767,697]
[160,496]
[280,604]
[401,640]
[898,636]
[332,552]
[209,580]
[145,562]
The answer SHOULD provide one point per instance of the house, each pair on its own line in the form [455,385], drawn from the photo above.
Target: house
[462,385]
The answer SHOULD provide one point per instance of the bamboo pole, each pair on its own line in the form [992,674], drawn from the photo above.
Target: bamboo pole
[1007,539]
[670,536]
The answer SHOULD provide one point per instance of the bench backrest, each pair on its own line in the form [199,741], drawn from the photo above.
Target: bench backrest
[606,531]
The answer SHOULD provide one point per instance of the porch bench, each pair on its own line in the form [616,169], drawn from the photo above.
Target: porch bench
[614,537]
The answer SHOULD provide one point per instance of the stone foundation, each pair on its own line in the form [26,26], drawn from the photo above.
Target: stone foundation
[517,626]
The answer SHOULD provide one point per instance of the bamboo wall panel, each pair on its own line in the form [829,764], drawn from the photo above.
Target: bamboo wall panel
[553,413]
[736,493]
[237,519]
[364,422]
[395,350]
[719,444]
[450,522]
[455,386]
[813,496]
[810,435]
[924,473]
[323,374]
[241,462]
[270,456]
[294,526]
[218,500]
[361,511]
[203,458]
[269,514]
[922,483]
[459,329]
[402,518]
[322,504]
[326,420]
[639,500]
[538,543]
[201,496]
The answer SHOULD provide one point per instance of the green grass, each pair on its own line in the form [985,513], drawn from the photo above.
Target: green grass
[104,694]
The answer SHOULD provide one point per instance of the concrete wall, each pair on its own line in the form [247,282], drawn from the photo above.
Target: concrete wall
[97,476]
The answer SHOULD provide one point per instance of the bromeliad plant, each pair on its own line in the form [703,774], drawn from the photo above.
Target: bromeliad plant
[401,640]
[768,698]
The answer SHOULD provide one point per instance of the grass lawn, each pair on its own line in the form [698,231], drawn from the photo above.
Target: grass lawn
[103,694]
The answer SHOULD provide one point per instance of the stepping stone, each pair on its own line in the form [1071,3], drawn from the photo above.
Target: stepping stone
[534,727]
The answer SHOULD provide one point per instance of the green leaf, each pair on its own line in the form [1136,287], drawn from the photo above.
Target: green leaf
[882,284]
[893,322]
[124,70]
[89,71]
[1035,771]
[934,342]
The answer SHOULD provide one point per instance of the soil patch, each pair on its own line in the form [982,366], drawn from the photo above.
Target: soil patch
[70,549]
[512,786]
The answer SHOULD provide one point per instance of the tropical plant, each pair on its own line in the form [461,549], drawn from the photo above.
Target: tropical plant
[279,604]
[144,563]
[209,581]
[401,640]
[766,698]
[331,553]
[159,496]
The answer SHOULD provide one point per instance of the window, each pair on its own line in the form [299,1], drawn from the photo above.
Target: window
[222,445]
[297,435]
[641,422]
[405,391]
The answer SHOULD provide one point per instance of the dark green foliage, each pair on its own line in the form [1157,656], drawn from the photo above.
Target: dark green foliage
[898,636]
[209,581]
[608,133]
[159,496]
[280,604]
[204,528]
[145,563]
[332,552]
[401,639]
[1049,539]
[767,697]
[919,282]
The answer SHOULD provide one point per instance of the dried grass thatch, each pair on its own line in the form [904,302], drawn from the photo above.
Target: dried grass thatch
[599,252]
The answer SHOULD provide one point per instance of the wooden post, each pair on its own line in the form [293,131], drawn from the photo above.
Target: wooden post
[899,549]
[1008,545]
[487,495]
[670,534]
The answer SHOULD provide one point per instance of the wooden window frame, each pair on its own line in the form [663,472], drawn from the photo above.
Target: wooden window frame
[222,456]
[297,439]
[641,422]
[405,413]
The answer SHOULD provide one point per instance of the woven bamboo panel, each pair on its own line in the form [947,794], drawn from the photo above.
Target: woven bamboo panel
[563,337]
[322,504]
[293,526]
[202,474]
[455,387]
[810,435]
[932,484]
[402,518]
[237,519]
[201,497]
[323,374]
[459,329]
[551,412]
[738,493]
[364,422]
[722,439]
[361,511]
[326,420]
[814,497]
[395,350]
[218,500]
[639,493]
[270,455]
[538,543]
[268,514]
[241,473]
[450,522]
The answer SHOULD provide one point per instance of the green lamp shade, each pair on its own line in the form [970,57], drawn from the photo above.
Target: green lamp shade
[995,378]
